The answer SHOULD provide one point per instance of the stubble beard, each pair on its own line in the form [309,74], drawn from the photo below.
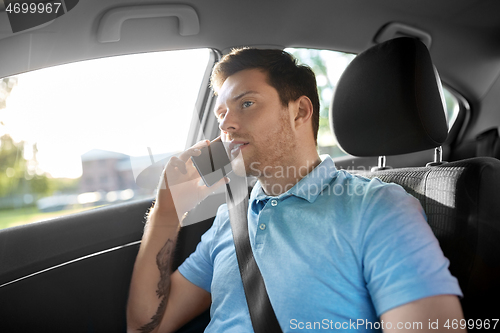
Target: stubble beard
[275,151]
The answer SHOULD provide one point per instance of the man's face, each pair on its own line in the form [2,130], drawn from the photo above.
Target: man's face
[254,124]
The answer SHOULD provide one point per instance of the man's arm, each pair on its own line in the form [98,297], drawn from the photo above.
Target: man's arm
[160,300]
[153,287]
[424,315]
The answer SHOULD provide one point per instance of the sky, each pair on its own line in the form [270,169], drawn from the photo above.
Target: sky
[123,104]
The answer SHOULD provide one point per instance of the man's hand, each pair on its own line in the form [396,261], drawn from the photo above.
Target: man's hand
[181,187]
[159,299]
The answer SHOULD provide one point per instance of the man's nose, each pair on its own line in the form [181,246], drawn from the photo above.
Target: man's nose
[229,123]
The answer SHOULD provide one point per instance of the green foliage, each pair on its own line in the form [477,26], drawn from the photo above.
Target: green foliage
[63,185]
[313,59]
[12,165]
[6,86]
[320,61]
[22,182]
[17,175]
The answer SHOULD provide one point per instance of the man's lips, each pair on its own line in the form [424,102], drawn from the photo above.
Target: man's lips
[234,146]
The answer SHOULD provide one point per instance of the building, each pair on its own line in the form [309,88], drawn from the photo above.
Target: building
[106,171]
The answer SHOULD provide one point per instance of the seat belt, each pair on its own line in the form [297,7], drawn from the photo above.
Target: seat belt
[261,311]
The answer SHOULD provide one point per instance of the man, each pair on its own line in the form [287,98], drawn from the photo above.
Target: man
[333,249]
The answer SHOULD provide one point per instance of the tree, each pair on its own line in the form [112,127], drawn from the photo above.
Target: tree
[9,152]
[11,168]
[313,58]
[18,176]
[6,86]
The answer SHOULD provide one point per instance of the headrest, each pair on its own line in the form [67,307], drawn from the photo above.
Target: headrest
[389,101]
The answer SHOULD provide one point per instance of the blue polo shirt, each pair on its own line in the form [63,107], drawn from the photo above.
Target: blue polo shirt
[335,251]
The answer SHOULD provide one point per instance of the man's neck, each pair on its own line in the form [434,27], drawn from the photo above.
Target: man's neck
[279,179]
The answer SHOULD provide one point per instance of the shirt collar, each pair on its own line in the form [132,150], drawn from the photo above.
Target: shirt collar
[309,187]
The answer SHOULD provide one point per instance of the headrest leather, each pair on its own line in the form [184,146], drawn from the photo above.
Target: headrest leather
[389,101]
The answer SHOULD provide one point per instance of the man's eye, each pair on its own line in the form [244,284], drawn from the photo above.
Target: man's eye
[247,104]
[220,117]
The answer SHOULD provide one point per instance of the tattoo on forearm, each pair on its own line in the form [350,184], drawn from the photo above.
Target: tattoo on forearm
[163,261]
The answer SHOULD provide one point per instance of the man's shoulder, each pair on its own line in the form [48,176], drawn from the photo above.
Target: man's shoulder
[368,188]
[222,224]
[358,195]
[222,215]
[222,209]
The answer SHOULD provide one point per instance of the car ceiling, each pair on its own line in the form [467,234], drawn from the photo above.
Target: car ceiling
[465,33]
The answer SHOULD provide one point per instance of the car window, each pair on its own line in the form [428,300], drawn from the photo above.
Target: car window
[76,136]
[328,66]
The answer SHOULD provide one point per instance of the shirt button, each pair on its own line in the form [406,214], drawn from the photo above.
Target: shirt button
[274,203]
[262,226]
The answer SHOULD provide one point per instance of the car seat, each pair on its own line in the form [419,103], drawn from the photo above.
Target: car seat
[488,143]
[389,102]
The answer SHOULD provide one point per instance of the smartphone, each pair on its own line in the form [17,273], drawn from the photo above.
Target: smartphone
[213,163]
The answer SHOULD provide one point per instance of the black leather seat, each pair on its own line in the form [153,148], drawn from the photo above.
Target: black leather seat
[388,102]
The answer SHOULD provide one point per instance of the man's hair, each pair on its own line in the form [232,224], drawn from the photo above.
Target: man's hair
[290,79]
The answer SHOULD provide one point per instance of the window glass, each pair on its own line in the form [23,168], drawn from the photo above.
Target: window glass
[328,67]
[452,107]
[77,136]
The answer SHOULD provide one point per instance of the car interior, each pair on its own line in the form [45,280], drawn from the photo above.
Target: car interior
[72,272]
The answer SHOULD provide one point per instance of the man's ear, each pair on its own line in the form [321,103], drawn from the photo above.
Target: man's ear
[304,110]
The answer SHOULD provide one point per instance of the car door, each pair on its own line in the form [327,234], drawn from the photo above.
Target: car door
[83,145]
